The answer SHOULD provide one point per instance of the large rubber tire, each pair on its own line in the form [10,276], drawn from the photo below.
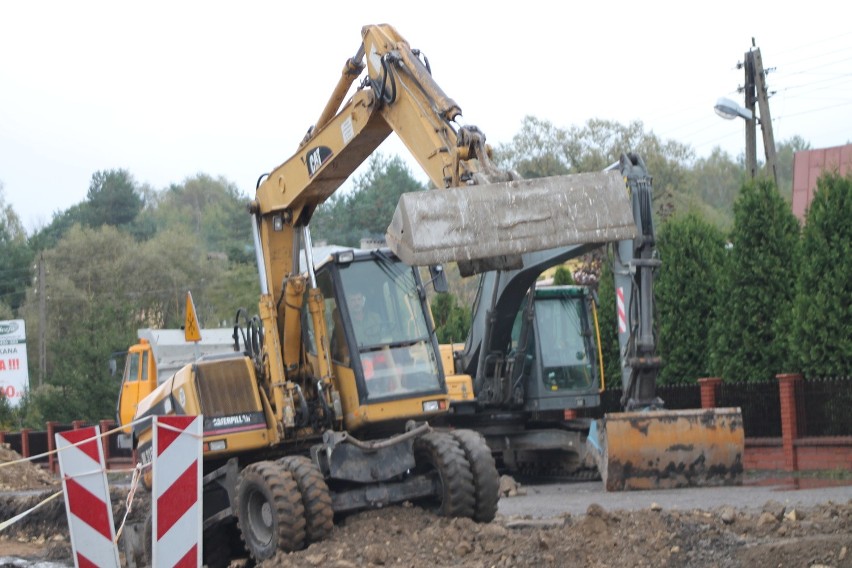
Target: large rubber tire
[486,480]
[316,498]
[269,510]
[439,454]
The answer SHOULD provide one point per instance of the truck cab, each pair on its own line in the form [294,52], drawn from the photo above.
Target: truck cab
[157,355]
[138,380]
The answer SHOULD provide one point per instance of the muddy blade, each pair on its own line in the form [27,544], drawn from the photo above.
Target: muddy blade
[672,448]
[504,220]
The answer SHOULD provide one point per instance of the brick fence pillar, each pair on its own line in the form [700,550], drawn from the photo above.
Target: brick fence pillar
[106,426]
[789,420]
[25,442]
[52,462]
[708,391]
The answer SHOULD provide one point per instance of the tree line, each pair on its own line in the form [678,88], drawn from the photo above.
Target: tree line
[742,293]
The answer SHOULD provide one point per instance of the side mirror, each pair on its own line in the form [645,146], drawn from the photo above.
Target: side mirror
[438,278]
[113,366]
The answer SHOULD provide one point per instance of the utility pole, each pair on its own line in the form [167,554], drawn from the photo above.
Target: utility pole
[42,322]
[757,93]
[765,119]
[751,132]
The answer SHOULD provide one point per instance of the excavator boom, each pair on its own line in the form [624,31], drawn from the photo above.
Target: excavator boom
[483,217]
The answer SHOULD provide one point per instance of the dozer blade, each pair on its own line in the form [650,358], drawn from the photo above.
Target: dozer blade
[503,220]
[664,449]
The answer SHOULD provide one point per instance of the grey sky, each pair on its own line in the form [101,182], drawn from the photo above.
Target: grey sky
[167,90]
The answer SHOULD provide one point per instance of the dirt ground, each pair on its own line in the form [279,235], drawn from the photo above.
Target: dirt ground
[23,474]
[408,536]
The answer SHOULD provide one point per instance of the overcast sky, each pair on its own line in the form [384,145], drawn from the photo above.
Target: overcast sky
[167,90]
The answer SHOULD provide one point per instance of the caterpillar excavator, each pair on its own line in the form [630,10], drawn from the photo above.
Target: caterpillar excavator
[534,355]
[324,411]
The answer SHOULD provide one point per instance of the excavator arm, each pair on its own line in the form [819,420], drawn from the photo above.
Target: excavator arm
[634,266]
[648,446]
[398,94]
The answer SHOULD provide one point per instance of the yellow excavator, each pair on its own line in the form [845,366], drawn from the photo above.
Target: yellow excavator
[323,411]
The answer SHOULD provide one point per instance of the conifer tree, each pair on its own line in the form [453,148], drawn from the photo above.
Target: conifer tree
[691,251]
[820,338]
[756,292]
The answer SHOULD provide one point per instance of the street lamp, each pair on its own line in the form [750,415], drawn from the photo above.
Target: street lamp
[729,110]
[755,92]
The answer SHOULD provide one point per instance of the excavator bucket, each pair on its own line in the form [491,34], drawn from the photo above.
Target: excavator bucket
[501,221]
[664,449]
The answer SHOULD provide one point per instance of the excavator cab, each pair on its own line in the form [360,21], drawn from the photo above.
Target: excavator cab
[383,348]
[561,358]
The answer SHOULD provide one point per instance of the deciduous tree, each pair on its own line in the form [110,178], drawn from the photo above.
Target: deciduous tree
[16,258]
[367,211]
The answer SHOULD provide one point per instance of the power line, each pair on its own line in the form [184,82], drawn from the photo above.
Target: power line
[820,41]
[846,103]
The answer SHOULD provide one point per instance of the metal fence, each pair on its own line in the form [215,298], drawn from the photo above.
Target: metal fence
[825,407]
[38,443]
[675,397]
[760,403]
[680,397]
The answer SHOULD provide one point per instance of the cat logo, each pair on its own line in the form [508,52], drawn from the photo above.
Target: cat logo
[316,157]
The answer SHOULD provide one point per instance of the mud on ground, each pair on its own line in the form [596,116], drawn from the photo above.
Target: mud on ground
[411,537]
[414,538]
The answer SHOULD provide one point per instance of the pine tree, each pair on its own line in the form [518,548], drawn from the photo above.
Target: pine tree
[756,292]
[822,311]
[452,322]
[692,251]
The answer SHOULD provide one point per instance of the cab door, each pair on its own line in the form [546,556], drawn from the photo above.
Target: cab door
[137,382]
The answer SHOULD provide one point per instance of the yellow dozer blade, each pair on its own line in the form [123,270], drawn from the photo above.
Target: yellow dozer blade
[490,226]
[664,449]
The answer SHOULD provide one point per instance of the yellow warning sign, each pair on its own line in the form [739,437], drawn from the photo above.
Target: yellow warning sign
[191,330]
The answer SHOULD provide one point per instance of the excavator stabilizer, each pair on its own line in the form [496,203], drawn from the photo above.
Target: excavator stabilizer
[506,219]
[664,449]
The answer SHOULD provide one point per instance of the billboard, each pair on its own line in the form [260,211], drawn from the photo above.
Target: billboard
[14,377]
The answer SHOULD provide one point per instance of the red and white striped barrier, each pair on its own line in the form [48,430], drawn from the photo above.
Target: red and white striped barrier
[176,491]
[87,502]
[622,313]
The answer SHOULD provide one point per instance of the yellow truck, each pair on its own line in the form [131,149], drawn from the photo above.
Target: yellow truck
[156,356]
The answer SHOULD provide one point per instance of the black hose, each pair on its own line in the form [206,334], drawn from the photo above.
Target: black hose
[381,89]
